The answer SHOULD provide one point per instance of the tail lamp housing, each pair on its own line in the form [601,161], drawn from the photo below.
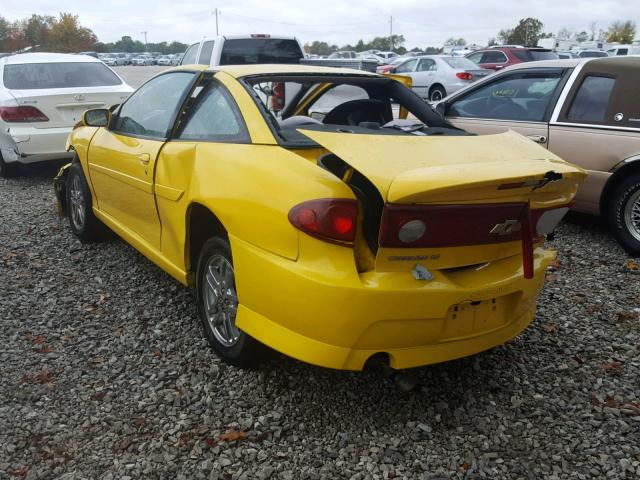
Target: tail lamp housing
[22,114]
[329,219]
[464,76]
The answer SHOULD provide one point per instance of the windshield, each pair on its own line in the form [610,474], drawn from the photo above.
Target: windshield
[353,103]
[460,62]
[260,50]
[31,76]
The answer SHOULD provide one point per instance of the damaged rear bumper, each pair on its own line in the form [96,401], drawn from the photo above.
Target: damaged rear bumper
[60,189]
[26,144]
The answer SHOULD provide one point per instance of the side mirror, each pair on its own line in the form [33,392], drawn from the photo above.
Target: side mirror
[97,117]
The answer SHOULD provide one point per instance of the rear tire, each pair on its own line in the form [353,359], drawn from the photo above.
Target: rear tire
[83,222]
[437,93]
[218,305]
[624,214]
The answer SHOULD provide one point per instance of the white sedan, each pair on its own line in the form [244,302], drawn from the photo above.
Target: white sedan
[42,96]
[436,76]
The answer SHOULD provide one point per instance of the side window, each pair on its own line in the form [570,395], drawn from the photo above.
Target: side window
[407,66]
[189,57]
[205,53]
[427,65]
[592,100]
[494,57]
[215,117]
[151,109]
[475,57]
[519,97]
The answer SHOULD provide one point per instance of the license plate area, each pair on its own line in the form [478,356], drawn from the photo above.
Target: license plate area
[472,318]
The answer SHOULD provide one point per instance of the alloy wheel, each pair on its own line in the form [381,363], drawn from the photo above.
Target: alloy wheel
[221,300]
[632,215]
[76,200]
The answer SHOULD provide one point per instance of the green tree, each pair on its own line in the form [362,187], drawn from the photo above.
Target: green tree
[527,32]
[622,32]
[67,35]
[455,42]
[581,36]
[36,29]
[4,33]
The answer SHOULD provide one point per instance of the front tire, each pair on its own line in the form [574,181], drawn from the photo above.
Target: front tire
[83,222]
[624,214]
[218,306]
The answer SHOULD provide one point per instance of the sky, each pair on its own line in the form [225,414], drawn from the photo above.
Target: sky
[422,22]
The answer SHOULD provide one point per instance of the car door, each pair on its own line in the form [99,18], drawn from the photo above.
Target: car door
[424,76]
[520,100]
[122,157]
[598,125]
[213,124]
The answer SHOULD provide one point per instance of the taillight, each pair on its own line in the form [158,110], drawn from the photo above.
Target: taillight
[23,114]
[332,220]
[277,100]
[464,76]
[435,226]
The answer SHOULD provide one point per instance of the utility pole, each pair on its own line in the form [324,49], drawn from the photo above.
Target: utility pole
[216,13]
[391,32]
[145,40]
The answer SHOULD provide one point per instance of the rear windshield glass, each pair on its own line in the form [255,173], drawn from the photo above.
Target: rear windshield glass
[460,62]
[30,76]
[260,50]
[534,55]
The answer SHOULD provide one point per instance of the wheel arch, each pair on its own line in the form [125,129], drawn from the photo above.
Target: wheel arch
[436,85]
[201,224]
[620,172]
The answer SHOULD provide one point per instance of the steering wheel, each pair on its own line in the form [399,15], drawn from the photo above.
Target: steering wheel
[356,111]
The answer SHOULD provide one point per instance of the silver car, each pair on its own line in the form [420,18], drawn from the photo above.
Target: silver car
[436,76]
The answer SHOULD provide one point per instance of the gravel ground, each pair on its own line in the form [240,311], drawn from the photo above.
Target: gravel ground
[104,374]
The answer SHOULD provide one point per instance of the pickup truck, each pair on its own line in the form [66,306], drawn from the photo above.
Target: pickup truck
[586,111]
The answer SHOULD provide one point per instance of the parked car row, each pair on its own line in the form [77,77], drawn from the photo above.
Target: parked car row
[152,58]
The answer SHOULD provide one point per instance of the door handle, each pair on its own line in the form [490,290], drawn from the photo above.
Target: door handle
[537,138]
[144,158]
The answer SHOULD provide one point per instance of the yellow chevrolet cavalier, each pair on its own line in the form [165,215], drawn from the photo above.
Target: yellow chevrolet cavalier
[329,214]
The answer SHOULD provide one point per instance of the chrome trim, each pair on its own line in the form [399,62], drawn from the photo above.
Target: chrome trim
[565,92]
[626,161]
[529,122]
[592,126]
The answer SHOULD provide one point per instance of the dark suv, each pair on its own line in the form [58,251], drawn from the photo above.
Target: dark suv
[499,57]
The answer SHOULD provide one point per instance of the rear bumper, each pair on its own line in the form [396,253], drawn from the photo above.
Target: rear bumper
[25,144]
[336,319]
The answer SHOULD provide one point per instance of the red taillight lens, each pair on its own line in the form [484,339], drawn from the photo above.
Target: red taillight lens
[464,76]
[328,219]
[22,114]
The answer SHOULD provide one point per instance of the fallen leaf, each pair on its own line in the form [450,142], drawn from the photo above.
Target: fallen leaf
[591,309]
[140,422]
[179,391]
[610,402]
[209,441]
[632,406]
[633,265]
[98,396]
[626,316]
[232,435]
[577,359]
[613,367]
[39,340]
[125,443]
[551,327]
[67,338]
[157,354]
[465,466]
[97,360]
[550,277]
[555,263]
[18,472]
[595,401]
[45,349]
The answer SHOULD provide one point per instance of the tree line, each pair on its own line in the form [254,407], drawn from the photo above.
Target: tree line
[65,34]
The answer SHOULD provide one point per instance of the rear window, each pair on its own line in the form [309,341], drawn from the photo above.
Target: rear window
[260,50]
[534,55]
[460,62]
[31,76]
[592,100]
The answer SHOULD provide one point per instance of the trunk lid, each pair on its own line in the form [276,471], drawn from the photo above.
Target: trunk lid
[462,187]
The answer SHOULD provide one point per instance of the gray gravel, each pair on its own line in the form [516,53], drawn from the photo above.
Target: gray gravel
[104,374]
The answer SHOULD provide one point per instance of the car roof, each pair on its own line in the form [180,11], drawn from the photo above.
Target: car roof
[238,71]
[42,57]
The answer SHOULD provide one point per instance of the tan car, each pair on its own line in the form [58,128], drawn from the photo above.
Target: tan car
[585,111]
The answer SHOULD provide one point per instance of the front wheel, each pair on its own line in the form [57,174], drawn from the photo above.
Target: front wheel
[437,93]
[218,306]
[624,214]
[83,222]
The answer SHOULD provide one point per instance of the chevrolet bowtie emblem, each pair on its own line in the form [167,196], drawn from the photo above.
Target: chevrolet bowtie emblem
[506,228]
